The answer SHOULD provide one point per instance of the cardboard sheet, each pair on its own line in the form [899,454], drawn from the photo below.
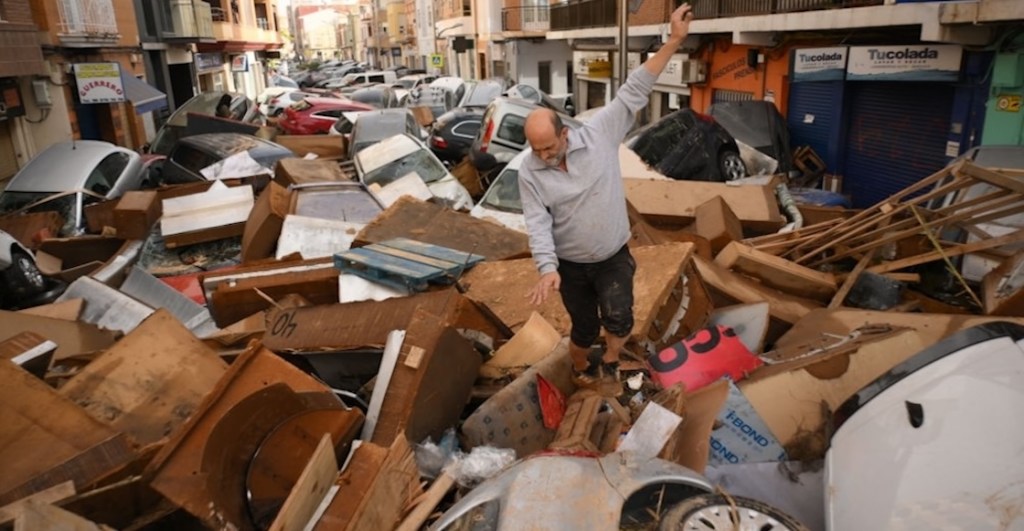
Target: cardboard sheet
[754,205]
[530,344]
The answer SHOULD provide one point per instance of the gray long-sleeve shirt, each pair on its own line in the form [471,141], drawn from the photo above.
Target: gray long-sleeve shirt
[580,215]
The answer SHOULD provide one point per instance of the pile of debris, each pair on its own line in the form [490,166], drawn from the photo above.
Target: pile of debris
[311,359]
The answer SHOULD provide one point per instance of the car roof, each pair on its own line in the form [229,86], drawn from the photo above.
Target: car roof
[63,166]
[337,102]
[387,150]
[225,144]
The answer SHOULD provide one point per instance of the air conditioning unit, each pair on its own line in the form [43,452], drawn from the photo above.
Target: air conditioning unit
[694,71]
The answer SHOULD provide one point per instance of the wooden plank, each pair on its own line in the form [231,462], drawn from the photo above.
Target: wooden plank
[784,307]
[502,287]
[48,440]
[36,516]
[851,279]
[434,224]
[54,494]
[68,310]
[443,265]
[380,387]
[778,273]
[314,482]
[376,487]
[991,177]
[150,382]
[755,205]
[966,248]
[434,251]
[422,510]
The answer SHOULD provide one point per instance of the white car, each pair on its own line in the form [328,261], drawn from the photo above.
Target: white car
[501,203]
[22,278]
[269,96]
[933,444]
[397,156]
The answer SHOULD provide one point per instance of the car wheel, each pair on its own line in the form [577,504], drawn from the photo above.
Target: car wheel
[24,274]
[709,512]
[731,165]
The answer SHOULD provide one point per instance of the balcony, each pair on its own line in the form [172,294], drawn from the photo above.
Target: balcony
[704,9]
[87,23]
[526,19]
[187,21]
[585,14]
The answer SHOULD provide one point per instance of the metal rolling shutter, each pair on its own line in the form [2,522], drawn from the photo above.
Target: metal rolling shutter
[815,111]
[897,136]
[8,157]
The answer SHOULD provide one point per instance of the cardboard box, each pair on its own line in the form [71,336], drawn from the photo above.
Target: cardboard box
[218,213]
[136,213]
[100,215]
[301,171]
[466,173]
[70,258]
[741,436]
[717,222]
[31,229]
[778,273]
[321,145]
[263,226]
[675,203]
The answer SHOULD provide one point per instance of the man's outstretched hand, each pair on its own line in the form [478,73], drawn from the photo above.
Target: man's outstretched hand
[547,283]
[680,21]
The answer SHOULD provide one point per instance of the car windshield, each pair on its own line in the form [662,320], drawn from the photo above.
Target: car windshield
[419,161]
[407,83]
[368,96]
[205,103]
[481,95]
[504,193]
[67,205]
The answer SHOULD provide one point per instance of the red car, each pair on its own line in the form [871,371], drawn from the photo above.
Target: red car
[315,116]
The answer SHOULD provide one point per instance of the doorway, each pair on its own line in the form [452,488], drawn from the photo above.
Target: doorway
[544,76]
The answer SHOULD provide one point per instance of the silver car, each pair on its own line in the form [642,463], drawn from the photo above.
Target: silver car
[68,176]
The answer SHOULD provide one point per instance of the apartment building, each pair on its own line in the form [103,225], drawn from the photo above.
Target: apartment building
[20,64]
[246,35]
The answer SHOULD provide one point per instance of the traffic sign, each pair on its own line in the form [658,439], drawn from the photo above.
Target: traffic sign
[437,60]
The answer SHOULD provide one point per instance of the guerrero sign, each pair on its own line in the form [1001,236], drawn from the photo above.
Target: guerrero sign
[99,82]
[904,63]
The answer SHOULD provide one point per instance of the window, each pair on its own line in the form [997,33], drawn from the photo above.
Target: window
[376,78]
[544,76]
[191,158]
[332,114]
[467,129]
[105,175]
[511,129]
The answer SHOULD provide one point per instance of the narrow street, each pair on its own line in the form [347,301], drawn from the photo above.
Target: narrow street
[305,265]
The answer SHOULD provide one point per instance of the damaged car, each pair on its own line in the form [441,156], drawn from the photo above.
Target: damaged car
[757,124]
[22,278]
[227,105]
[688,146]
[70,175]
[397,156]
[194,154]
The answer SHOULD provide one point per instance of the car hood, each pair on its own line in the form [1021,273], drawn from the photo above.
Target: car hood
[451,191]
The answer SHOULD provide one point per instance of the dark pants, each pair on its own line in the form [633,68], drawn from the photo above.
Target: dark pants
[598,294]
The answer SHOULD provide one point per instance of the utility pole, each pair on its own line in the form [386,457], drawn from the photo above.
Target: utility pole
[623,45]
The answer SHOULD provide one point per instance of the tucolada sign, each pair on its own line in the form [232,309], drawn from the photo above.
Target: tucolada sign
[904,63]
[819,64]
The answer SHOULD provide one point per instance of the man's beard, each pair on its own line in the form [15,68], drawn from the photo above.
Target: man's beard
[557,159]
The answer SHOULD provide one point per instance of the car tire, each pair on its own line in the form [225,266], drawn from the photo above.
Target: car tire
[731,166]
[24,275]
[715,512]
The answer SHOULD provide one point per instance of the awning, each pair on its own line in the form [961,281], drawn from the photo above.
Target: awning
[144,97]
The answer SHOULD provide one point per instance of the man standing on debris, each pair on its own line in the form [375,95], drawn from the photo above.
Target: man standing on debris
[575,209]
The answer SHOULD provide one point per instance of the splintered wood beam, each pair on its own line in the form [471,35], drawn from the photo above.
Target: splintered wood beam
[954,251]
[851,279]
[1015,208]
[827,240]
[991,177]
[868,213]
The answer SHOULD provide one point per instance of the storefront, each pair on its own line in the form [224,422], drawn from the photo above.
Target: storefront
[736,72]
[593,74]
[1004,118]
[885,117]
[210,69]
[671,90]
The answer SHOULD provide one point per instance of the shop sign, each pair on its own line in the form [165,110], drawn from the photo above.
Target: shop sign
[240,63]
[581,61]
[1008,102]
[99,82]
[904,63]
[818,64]
[11,105]
[208,61]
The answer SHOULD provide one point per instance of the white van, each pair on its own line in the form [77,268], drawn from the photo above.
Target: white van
[382,76]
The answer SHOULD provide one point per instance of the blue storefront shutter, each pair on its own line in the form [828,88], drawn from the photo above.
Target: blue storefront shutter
[897,136]
[814,117]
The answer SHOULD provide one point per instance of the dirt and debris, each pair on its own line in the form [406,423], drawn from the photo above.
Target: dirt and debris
[228,385]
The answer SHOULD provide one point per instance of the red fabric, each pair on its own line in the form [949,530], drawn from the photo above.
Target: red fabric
[704,357]
[187,285]
[552,403]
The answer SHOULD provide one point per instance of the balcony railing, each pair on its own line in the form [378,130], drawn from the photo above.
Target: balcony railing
[262,23]
[585,14]
[736,8]
[526,18]
[218,14]
[88,18]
